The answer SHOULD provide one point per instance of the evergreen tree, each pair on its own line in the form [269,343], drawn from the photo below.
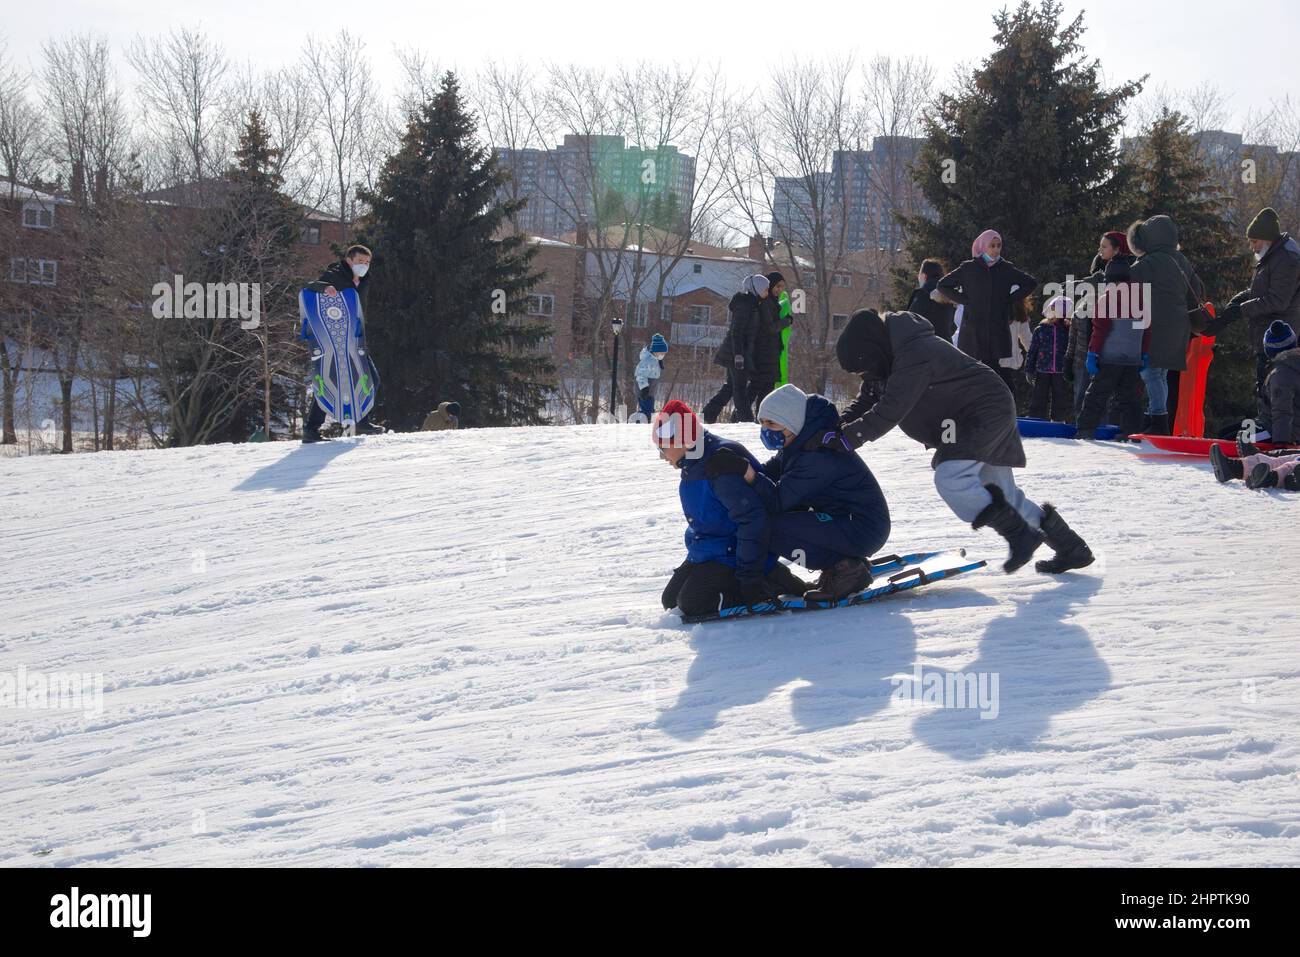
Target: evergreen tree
[446,311]
[1028,146]
[236,378]
[1174,179]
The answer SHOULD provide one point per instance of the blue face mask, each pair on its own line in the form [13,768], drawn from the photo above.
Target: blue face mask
[773,439]
[989,259]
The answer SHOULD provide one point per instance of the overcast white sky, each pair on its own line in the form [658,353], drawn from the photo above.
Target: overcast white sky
[1247,49]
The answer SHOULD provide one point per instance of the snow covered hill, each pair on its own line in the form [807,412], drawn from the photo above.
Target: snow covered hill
[448,649]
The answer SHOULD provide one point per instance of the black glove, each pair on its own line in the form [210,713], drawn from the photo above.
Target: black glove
[832,439]
[1068,372]
[1224,318]
[725,462]
[758,591]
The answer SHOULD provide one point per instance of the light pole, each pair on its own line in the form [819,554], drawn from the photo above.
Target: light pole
[617,325]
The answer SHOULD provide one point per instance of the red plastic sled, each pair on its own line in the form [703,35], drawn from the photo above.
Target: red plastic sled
[1201,447]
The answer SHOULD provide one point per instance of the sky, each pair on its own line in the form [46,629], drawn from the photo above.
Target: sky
[1245,50]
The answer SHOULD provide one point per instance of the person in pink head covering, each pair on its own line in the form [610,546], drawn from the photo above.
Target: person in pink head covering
[985,286]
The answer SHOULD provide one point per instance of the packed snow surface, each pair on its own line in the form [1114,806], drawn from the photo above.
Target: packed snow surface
[448,648]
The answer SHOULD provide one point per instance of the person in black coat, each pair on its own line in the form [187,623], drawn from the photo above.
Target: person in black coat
[738,353]
[986,286]
[350,272]
[961,408]
[923,303]
[767,341]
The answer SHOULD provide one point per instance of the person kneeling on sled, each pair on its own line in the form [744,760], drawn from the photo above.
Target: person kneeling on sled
[648,370]
[727,559]
[828,512]
[953,403]
[1279,420]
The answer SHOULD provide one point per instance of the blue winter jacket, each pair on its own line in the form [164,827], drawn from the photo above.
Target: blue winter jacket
[1047,348]
[725,517]
[827,479]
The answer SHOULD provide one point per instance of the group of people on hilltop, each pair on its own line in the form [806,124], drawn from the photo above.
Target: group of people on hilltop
[940,372]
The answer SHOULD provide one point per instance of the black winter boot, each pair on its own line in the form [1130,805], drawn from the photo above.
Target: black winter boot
[1262,476]
[1292,482]
[1245,448]
[842,579]
[1071,550]
[783,578]
[1225,468]
[1007,522]
[1159,424]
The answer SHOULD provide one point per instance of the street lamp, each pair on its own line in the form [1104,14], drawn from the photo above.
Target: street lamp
[617,325]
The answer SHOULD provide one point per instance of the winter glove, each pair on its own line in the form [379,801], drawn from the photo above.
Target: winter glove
[1069,369]
[1146,361]
[831,439]
[1230,313]
[1093,363]
[739,362]
[1221,321]
[757,592]
[725,462]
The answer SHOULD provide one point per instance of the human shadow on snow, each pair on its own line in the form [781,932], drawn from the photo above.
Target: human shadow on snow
[847,657]
[293,471]
[1045,667]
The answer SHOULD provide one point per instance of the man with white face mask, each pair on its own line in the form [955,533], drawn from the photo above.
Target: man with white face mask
[1274,291]
[349,272]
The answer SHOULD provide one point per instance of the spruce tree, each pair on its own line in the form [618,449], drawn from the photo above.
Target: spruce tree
[445,312]
[1027,146]
[1175,180]
[227,376]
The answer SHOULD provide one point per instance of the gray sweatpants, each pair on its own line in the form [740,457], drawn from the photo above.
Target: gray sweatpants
[961,484]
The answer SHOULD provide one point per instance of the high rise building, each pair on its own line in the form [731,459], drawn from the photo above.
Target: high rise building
[600,180]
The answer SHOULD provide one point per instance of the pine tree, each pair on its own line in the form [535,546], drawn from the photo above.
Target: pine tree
[1029,147]
[1176,181]
[237,378]
[445,314]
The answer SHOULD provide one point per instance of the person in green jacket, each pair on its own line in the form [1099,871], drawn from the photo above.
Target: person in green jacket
[785,321]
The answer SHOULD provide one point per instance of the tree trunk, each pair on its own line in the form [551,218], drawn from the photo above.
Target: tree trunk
[9,384]
[65,389]
[110,413]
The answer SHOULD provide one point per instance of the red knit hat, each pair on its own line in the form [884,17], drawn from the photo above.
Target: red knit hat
[675,426]
[1120,242]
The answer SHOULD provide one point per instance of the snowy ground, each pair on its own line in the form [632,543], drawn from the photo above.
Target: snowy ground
[448,649]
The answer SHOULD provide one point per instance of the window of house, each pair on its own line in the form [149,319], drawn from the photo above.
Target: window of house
[642,314]
[697,268]
[842,279]
[17,269]
[700,315]
[541,305]
[42,272]
[838,321]
[309,233]
[38,216]
[666,311]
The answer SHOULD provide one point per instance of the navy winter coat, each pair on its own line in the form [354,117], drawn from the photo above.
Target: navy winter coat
[726,519]
[828,479]
[1047,348]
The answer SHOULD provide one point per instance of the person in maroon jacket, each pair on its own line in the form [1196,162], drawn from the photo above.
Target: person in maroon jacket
[1117,352]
